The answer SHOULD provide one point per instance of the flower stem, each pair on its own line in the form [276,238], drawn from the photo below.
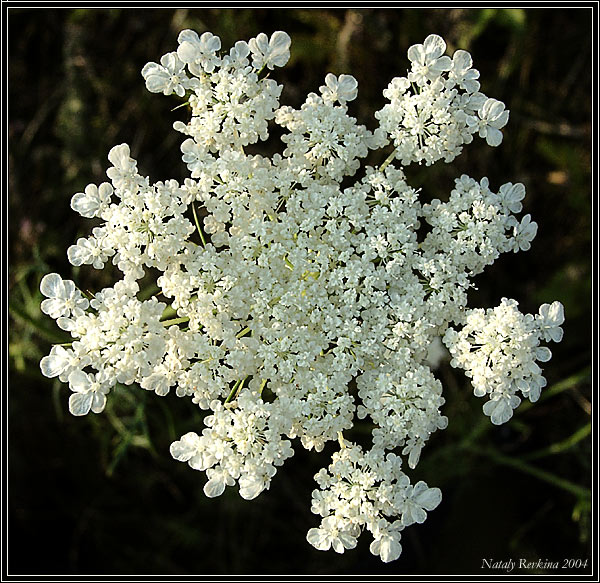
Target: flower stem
[236,389]
[243,332]
[198,228]
[174,321]
[563,445]
[522,466]
[388,160]
[263,384]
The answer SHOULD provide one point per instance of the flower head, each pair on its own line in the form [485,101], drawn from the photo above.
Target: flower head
[293,298]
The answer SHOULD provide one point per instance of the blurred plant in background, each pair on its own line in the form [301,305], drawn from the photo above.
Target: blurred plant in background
[61,124]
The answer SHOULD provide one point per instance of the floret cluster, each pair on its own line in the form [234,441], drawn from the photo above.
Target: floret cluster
[289,305]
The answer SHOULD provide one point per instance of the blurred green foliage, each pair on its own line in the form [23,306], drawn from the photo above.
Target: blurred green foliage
[101,494]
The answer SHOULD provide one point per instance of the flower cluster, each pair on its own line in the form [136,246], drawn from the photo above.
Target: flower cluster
[438,107]
[293,305]
[498,349]
[232,446]
[363,490]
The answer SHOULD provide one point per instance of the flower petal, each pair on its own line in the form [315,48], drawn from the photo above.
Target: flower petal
[80,403]
[214,487]
[52,286]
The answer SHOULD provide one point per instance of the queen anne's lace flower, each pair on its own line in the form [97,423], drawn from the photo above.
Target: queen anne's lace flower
[427,60]
[93,201]
[271,53]
[64,298]
[462,74]
[343,88]
[524,233]
[281,287]
[198,53]
[168,77]
[89,393]
[433,120]
[498,349]
[550,318]
[492,118]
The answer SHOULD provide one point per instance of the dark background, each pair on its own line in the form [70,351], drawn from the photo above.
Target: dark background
[101,494]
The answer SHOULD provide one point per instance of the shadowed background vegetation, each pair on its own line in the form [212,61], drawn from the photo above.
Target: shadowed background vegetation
[101,494]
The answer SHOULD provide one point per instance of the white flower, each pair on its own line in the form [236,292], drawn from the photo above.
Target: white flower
[89,393]
[387,547]
[124,169]
[252,485]
[511,196]
[419,498]
[198,52]
[498,349]
[64,298]
[524,233]
[168,77]
[332,533]
[461,72]
[239,52]
[550,318]
[298,299]
[159,381]
[343,88]
[88,251]
[189,449]
[427,60]
[273,52]
[57,362]
[434,120]
[93,200]
[500,408]
[492,118]
[218,479]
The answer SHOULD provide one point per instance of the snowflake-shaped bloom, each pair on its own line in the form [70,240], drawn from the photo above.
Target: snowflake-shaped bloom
[300,298]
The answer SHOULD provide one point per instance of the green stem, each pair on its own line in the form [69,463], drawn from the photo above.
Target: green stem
[561,446]
[181,105]
[262,386]
[522,466]
[243,332]
[260,71]
[387,161]
[199,229]
[236,389]
[174,321]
